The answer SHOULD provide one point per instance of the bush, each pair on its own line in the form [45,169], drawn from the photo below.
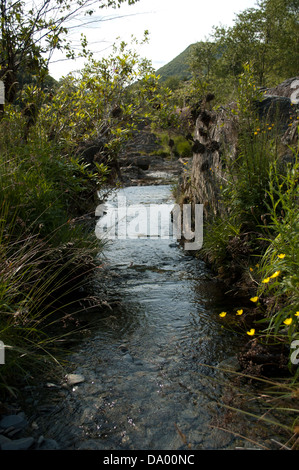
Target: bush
[46,253]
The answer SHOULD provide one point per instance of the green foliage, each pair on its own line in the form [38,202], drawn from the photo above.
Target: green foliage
[174,145]
[279,269]
[260,194]
[266,36]
[39,285]
[217,234]
[182,147]
[105,101]
[47,251]
[31,31]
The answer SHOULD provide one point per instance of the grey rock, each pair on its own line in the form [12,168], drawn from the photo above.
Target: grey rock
[4,440]
[11,432]
[16,422]
[73,379]
[209,166]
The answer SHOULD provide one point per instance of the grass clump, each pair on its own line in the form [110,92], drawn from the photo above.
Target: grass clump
[254,244]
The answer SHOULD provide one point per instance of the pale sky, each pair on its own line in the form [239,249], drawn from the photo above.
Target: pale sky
[172,24]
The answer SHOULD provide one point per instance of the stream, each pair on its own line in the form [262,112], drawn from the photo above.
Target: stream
[149,377]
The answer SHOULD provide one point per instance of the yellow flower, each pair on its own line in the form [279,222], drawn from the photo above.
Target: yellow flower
[275,274]
[281,256]
[288,321]
[254,299]
[266,280]
[239,312]
[297,314]
[251,332]
[250,269]
[222,314]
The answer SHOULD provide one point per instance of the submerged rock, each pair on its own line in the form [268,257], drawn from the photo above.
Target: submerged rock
[15,422]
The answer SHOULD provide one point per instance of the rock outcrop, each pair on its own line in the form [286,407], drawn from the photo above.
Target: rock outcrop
[216,136]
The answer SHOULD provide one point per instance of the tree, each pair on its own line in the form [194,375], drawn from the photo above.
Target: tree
[282,20]
[266,36]
[93,112]
[204,64]
[31,30]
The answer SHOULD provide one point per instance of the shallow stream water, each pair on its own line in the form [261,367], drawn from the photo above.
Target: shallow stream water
[149,369]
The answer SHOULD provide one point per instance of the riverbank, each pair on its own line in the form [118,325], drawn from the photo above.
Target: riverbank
[70,385]
[153,345]
[77,318]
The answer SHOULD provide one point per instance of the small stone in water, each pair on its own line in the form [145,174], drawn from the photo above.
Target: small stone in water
[73,379]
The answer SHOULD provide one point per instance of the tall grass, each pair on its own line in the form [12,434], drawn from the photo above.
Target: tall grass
[47,249]
[279,265]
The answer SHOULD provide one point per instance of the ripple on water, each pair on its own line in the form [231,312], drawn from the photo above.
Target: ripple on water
[147,384]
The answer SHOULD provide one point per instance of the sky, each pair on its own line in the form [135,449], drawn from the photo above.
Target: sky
[172,24]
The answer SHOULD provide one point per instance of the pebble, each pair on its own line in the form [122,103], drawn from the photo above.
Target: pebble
[128,357]
[73,379]
[47,444]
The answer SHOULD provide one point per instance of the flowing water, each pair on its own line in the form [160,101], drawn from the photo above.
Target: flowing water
[148,381]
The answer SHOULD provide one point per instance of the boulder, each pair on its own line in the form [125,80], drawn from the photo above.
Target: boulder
[216,136]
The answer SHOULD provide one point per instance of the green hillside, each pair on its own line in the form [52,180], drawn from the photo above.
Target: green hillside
[178,67]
